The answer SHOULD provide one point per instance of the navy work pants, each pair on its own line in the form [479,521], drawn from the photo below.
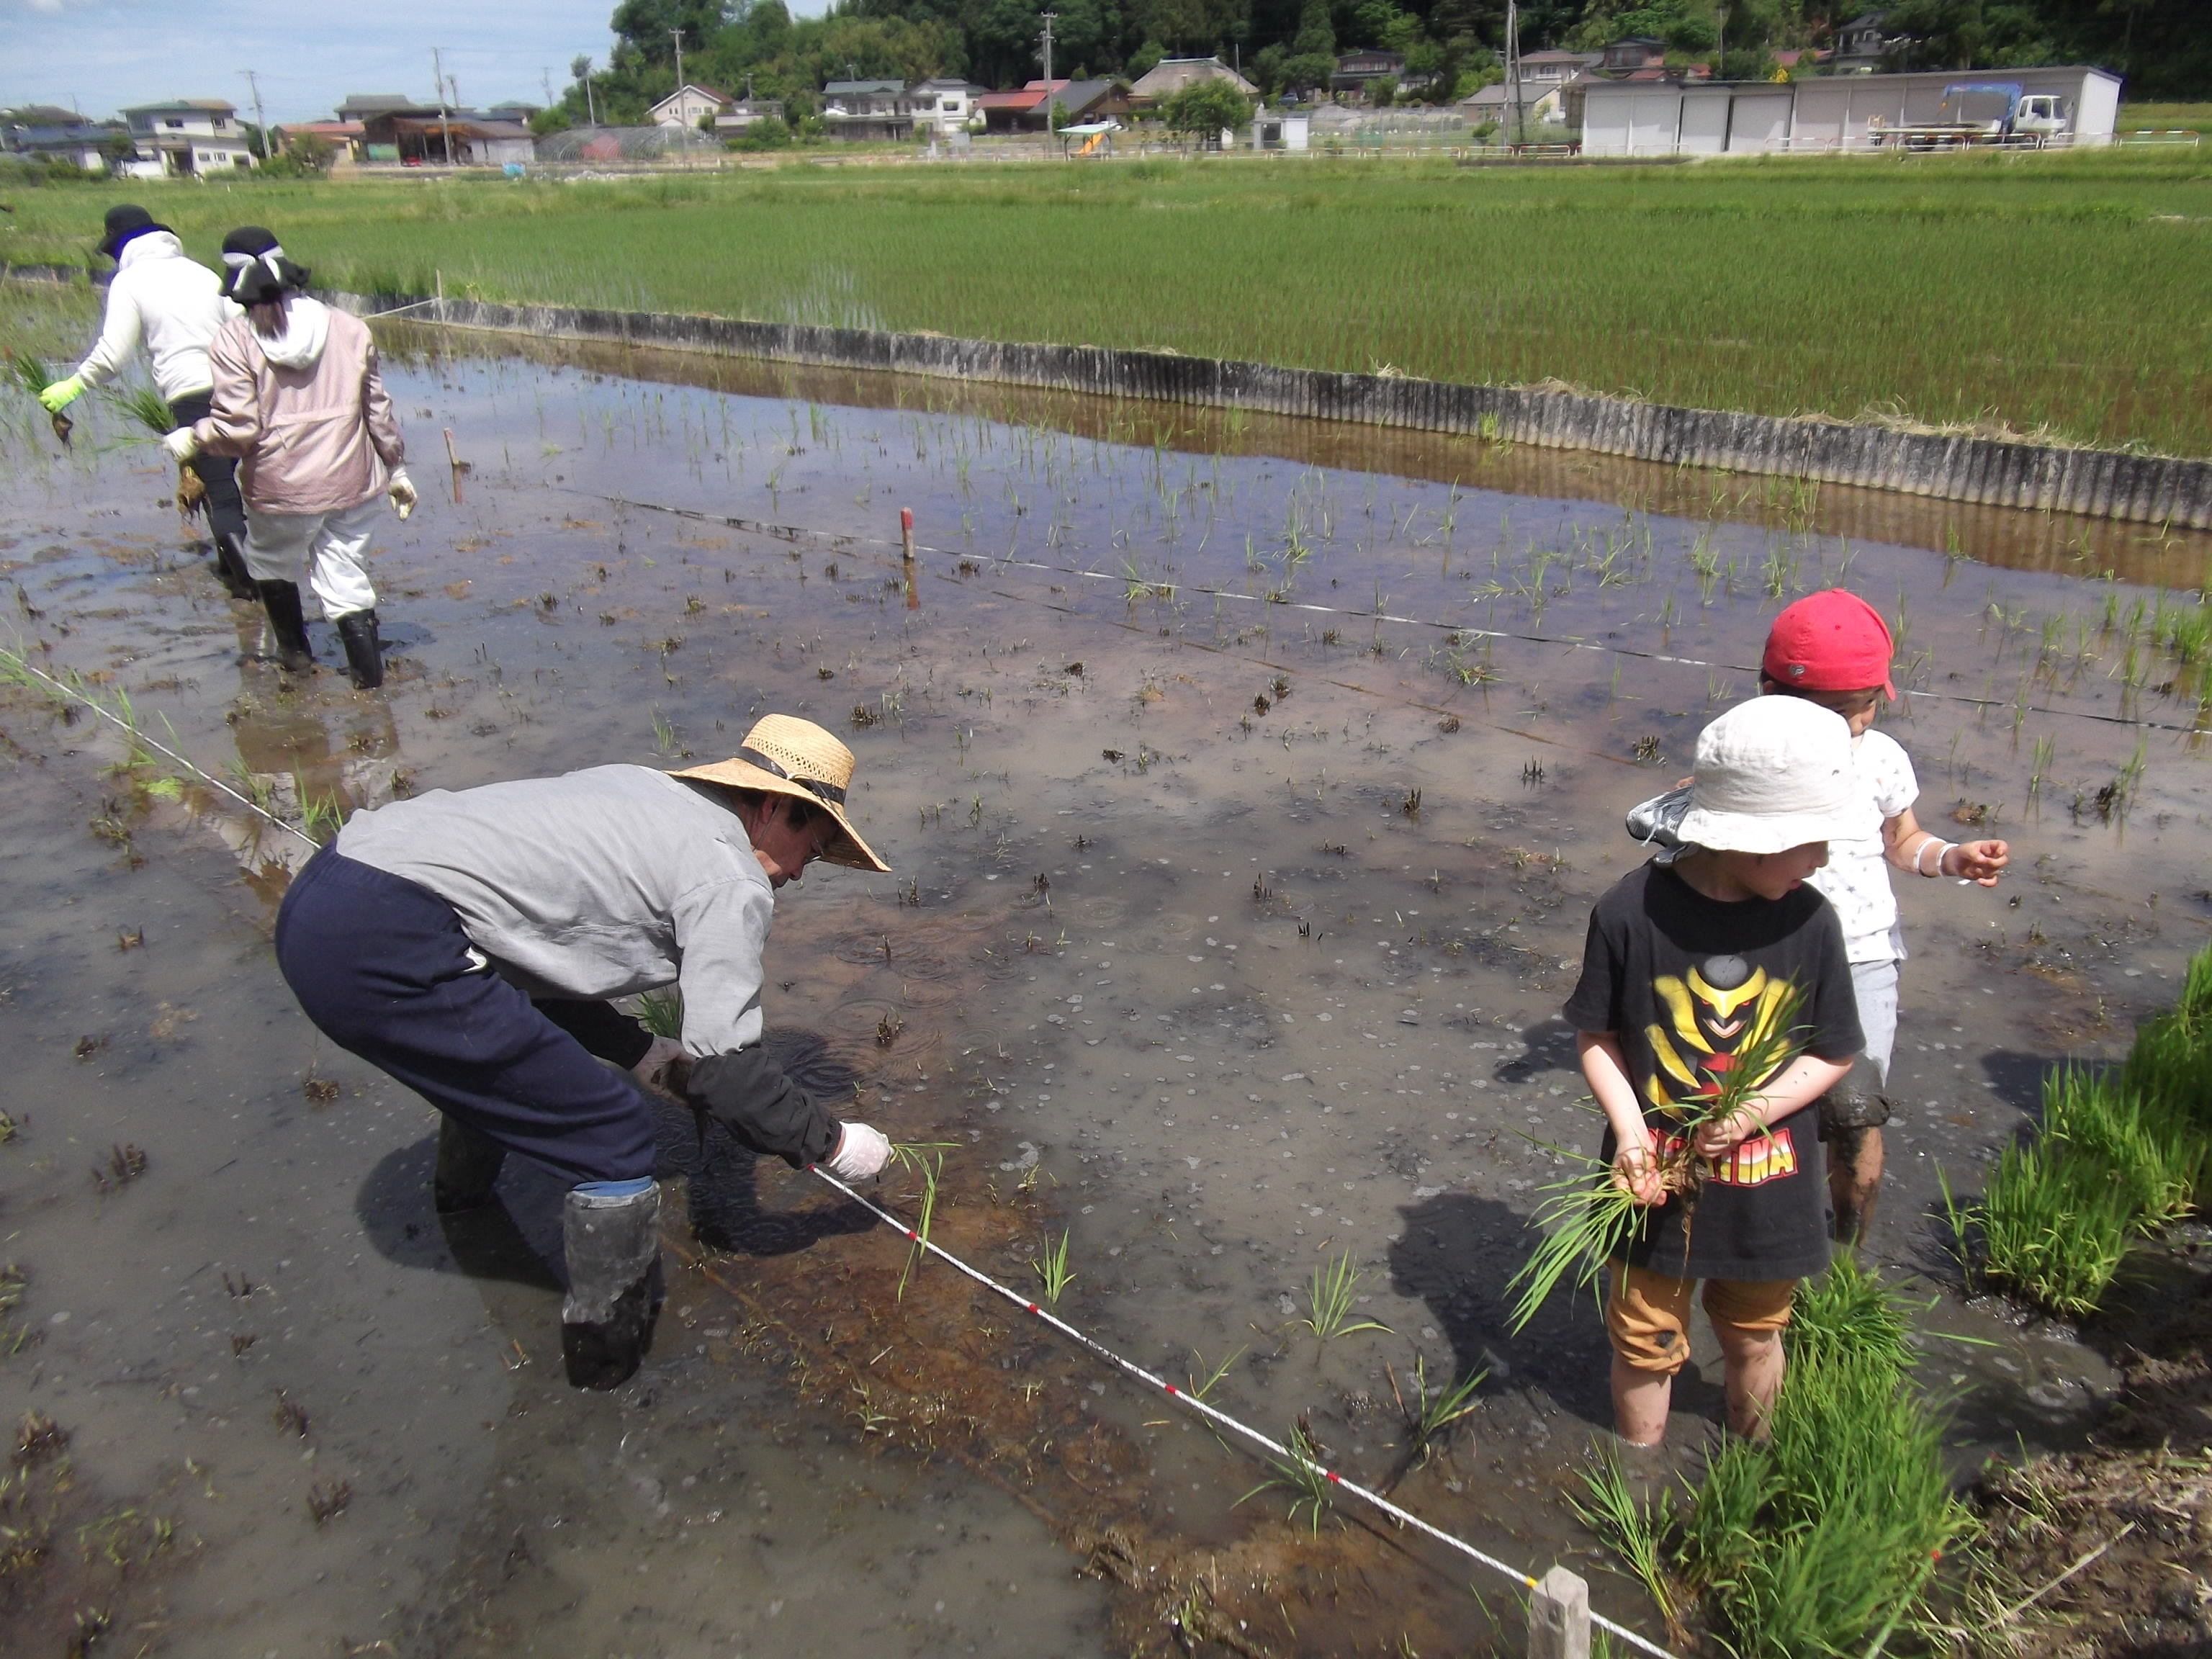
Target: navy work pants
[226,511]
[381,966]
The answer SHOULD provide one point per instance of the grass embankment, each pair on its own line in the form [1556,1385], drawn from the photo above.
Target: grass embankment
[2066,293]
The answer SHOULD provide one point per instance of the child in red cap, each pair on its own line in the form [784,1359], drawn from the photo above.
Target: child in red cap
[1833,648]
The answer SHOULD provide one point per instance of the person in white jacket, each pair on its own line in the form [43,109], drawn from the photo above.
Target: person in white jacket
[170,307]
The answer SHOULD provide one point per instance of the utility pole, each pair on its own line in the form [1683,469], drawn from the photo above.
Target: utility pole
[545,79]
[1720,43]
[1050,18]
[1517,134]
[259,124]
[445,125]
[678,34]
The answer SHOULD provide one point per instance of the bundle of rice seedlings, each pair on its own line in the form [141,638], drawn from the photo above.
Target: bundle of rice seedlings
[2055,1226]
[1589,1219]
[1824,1537]
[2141,1139]
[32,373]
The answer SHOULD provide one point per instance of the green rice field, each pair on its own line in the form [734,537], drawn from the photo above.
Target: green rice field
[2065,294]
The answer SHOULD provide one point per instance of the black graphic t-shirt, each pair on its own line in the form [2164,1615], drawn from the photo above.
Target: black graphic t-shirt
[1682,981]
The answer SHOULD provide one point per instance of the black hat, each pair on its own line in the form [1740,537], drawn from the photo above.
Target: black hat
[249,242]
[122,223]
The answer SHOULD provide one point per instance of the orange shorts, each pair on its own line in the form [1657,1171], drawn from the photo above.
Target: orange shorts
[1647,1314]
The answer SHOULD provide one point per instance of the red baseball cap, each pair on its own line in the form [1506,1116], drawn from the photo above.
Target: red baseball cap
[1830,642]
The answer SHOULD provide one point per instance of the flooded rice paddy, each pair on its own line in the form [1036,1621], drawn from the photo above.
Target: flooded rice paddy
[1248,784]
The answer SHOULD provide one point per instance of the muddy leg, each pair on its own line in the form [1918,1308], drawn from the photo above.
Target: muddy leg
[1854,1179]
[1754,1363]
[1640,1402]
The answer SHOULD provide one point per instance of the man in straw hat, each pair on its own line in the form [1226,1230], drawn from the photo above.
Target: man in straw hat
[466,943]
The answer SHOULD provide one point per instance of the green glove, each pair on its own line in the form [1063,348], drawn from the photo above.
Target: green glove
[61,394]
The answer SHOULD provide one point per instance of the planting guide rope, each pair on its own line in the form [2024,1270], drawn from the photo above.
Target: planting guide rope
[1169,590]
[15,659]
[1220,1419]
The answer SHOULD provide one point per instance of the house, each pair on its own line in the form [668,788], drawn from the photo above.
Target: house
[191,136]
[864,111]
[1823,113]
[1861,47]
[48,133]
[944,102]
[1638,52]
[1030,110]
[1284,130]
[1354,70]
[463,138]
[745,112]
[1542,94]
[689,105]
[1553,69]
[1171,74]
[344,137]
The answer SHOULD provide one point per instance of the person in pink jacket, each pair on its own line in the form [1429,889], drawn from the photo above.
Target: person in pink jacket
[299,400]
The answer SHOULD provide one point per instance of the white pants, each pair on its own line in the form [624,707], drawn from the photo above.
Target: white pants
[324,548]
[1875,983]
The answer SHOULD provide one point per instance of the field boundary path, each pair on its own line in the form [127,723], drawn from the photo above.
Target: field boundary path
[1989,471]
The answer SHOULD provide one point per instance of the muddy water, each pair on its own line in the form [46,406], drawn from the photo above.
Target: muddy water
[1247,793]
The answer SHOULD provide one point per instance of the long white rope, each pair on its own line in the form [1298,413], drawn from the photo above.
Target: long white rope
[16,660]
[1169,590]
[1215,1415]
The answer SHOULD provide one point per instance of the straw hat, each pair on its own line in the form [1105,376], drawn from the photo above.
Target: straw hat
[1775,773]
[783,755]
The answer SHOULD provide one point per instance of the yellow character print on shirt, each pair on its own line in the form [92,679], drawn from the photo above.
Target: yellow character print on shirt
[1724,1007]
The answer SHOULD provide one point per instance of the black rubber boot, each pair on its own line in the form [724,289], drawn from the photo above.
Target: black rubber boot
[230,565]
[281,601]
[364,649]
[613,1248]
[468,1164]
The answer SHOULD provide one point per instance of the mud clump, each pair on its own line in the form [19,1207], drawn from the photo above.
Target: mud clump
[2118,1538]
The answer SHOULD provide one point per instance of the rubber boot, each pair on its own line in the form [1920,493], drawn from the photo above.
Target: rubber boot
[364,649]
[610,1231]
[230,565]
[468,1164]
[281,601]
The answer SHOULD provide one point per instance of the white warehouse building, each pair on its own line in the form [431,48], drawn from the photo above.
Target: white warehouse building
[1830,113]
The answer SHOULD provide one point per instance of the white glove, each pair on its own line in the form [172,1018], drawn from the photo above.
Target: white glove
[401,489]
[861,1151]
[651,1070]
[181,445]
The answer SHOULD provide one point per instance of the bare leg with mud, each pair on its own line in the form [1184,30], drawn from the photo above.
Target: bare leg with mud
[1854,1179]
[1754,1362]
[1640,1403]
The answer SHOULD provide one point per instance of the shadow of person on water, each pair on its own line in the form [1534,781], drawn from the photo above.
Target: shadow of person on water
[1549,1046]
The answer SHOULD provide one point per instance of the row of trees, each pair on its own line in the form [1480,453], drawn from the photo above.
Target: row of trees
[1451,46]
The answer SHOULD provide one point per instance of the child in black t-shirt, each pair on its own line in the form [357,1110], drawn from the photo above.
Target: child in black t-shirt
[1686,963]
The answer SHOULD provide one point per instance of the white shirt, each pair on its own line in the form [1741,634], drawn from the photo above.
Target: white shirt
[1856,879]
[169,304]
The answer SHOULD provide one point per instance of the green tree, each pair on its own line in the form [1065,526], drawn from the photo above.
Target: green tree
[1205,107]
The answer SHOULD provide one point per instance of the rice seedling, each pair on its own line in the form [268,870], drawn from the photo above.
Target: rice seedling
[1330,1299]
[1051,1269]
[1199,1390]
[1634,1529]
[33,375]
[1302,1475]
[930,1169]
[1434,1412]
[1588,1218]
[1847,1312]
[661,1012]
[146,408]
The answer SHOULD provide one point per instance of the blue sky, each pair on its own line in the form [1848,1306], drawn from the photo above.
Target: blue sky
[101,55]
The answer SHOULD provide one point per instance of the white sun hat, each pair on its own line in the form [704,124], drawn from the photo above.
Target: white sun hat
[1772,774]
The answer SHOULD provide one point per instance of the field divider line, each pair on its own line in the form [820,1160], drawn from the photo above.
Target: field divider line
[1167,590]
[1214,1414]
[16,660]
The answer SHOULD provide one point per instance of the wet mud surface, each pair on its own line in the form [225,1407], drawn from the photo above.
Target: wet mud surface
[1248,787]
